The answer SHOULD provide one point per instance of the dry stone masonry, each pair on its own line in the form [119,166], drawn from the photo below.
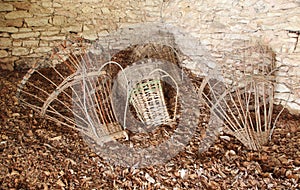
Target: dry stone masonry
[29,29]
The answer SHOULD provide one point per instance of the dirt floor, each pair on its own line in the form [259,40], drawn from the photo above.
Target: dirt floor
[37,154]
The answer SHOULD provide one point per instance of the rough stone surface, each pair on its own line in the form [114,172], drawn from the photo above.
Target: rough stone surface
[18,14]
[52,38]
[5,42]
[42,49]
[25,35]
[20,51]
[6,7]
[30,43]
[293,107]
[3,53]
[73,28]
[22,5]
[16,22]
[59,20]
[9,29]
[38,21]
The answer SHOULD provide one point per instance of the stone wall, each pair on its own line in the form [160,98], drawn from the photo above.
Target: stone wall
[29,29]
[223,26]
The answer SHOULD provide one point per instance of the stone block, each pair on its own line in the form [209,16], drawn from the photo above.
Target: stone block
[20,51]
[5,42]
[42,49]
[22,5]
[6,7]
[26,35]
[50,33]
[30,43]
[37,21]
[46,28]
[3,22]
[9,29]
[105,10]
[282,88]
[47,4]
[18,14]
[89,35]
[88,27]
[285,6]
[41,11]
[73,28]
[3,53]
[56,5]
[87,9]
[4,35]
[293,26]
[103,33]
[16,22]
[59,20]
[21,30]
[65,13]
[17,43]
[44,43]
[293,108]
[53,38]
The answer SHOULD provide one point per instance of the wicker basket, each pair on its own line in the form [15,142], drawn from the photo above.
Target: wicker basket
[148,100]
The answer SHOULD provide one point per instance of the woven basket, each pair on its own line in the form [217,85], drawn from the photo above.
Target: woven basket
[148,100]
